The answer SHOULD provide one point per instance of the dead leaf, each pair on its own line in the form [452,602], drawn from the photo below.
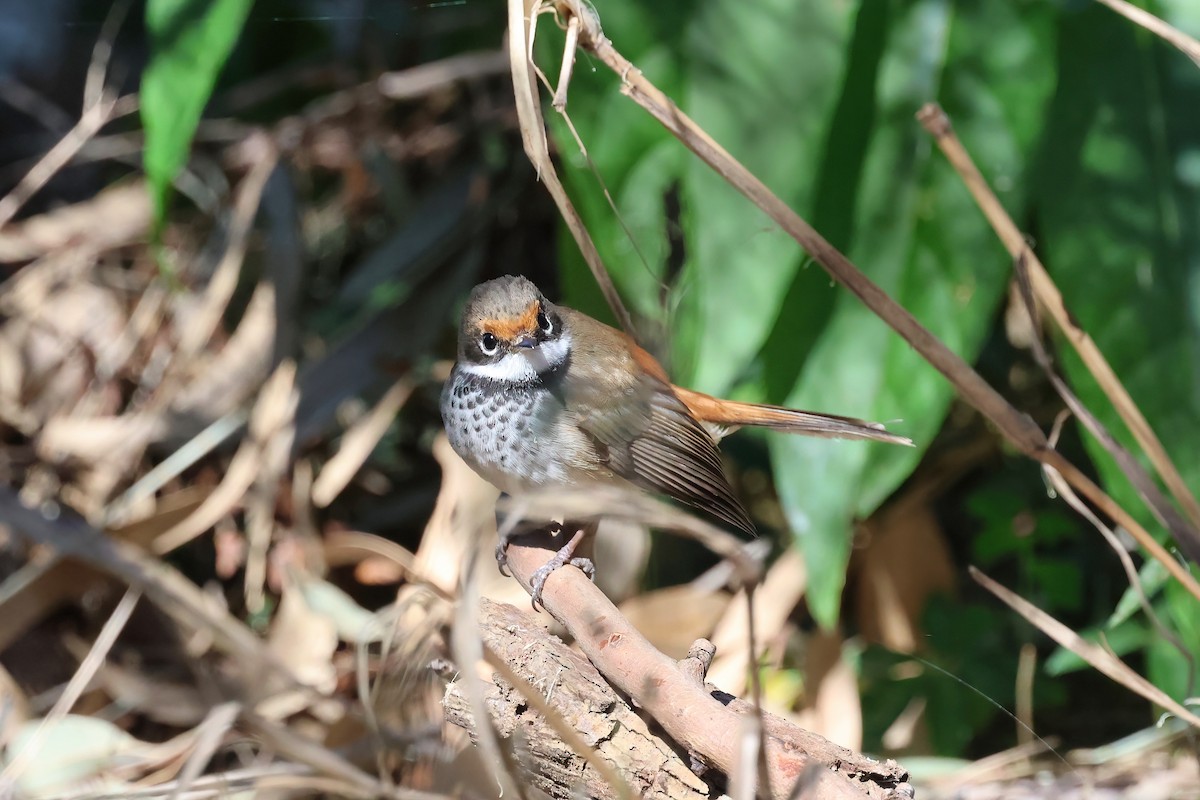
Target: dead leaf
[774,601]
[905,563]
[831,686]
[358,442]
[117,216]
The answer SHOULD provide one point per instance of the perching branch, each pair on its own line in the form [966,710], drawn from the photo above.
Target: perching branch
[705,723]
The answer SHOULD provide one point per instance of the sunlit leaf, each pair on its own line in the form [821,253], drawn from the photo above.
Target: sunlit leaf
[912,222]
[763,84]
[819,102]
[1119,196]
[190,41]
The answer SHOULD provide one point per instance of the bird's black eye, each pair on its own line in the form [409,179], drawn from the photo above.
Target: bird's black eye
[488,344]
[544,322]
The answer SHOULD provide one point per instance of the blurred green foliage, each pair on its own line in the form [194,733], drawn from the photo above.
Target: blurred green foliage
[1082,123]
[817,99]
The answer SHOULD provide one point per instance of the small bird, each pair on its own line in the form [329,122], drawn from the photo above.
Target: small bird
[542,395]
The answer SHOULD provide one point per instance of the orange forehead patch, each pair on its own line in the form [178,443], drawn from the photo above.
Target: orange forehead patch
[510,329]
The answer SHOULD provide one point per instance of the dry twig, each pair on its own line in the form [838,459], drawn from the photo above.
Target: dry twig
[934,119]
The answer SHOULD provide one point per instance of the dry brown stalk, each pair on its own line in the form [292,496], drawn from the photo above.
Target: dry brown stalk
[533,134]
[935,120]
[1094,654]
[1186,44]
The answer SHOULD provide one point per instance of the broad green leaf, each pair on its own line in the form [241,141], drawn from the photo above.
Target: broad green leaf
[761,78]
[763,82]
[190,41]
[818,100]
[1118,207]
[914,230]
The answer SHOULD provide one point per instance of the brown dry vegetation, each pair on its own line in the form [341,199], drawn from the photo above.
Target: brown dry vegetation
[237,554]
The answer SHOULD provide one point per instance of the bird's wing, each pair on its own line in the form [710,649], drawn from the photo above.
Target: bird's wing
[648,437]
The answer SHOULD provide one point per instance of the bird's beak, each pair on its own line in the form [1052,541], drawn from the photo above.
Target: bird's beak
[527,342]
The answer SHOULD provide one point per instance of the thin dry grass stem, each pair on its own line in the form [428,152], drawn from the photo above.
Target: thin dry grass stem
[521,16]
[34,105]
[990,766]
[1068,495]
[358,443]
[807,782]
[1026,671]
[173,465]
[467,647]
[559,103]
[273,413]
[273,430]
[1017,427]
[101,105]
[108,107]
[1181,532]
[225,277]
[1168,33]
[935,120]
[568,64]
[97,74]
[209,736]
[755,740]
[282,777]
[287,742]
[610,502]
[69,536]
[555,720]
[1094,654]
[781,589]
[75,687]
[409,84]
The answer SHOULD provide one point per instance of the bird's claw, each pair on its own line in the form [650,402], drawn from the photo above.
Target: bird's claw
[562,558]
[502,557]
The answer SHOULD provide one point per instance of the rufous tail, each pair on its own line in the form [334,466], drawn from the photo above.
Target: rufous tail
[722,417]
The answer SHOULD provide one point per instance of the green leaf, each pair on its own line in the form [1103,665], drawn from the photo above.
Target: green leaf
[763,83]
[911,222]
[817,99]
[1118,204]
[190,41]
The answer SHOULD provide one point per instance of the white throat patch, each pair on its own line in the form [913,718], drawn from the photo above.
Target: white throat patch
[523,366]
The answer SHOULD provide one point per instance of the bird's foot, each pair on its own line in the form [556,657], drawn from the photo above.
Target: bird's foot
[565,555]
[506,540]
[502,557]
[537,581]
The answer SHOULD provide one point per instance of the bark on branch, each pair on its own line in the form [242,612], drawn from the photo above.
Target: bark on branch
[703,726]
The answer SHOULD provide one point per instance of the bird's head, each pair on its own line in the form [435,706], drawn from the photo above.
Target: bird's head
[511,332]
